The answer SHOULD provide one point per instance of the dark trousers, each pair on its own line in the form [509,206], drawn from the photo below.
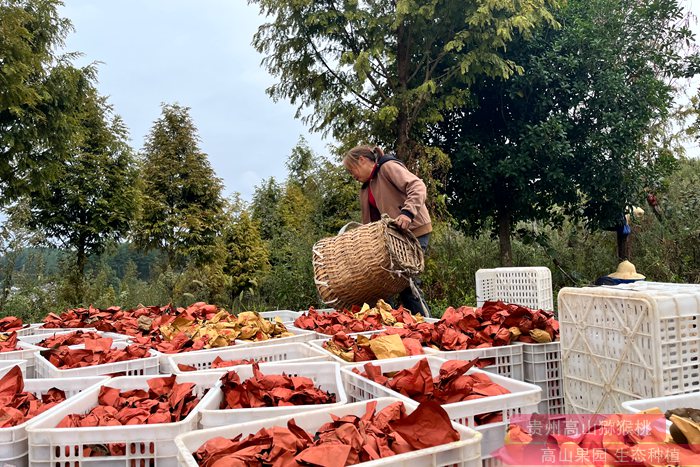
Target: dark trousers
[414,303]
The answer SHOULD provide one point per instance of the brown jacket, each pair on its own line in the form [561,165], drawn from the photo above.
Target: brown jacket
[397,191]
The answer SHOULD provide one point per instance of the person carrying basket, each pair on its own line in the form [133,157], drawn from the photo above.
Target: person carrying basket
[388,187]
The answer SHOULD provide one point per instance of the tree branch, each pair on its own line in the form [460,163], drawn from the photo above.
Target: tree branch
[352,44]
[342,81]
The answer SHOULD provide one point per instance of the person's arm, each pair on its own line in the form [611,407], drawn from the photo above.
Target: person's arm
[407,182]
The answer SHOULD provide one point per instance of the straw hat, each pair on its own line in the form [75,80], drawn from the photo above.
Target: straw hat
[626,271]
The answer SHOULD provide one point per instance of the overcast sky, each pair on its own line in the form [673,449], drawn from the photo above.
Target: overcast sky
[198,54]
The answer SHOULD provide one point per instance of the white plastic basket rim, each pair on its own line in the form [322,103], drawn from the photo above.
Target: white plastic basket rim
[278,368]
[115,433]
[468,436]
[518,389]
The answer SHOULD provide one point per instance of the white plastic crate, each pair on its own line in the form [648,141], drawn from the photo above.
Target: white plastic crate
[300,335]
[318,344]
[7,365]
[27,353]
[530,287]
[523,398]
[325,375]
[507,359]
[140,366]
[287,316]
[38,328]
[321,336]
[492,462]
[165,368]
[620,344]
[35,339]
[145,444]
[295,352]
[320,310]
[463,453]
[643,286]
[691,400]
[28,330]
[542,364]
[13,440]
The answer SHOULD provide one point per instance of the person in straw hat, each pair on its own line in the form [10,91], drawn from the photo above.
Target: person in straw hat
[626,273]
[388,187]
[624,229]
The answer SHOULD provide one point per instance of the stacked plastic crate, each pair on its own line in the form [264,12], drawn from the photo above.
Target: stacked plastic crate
[628,342]
[530,287]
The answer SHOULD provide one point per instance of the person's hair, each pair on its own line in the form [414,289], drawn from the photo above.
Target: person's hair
[352,157]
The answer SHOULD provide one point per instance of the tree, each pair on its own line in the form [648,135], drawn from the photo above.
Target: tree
[15,238]
[264,206]
[380,71]
[38,94]
[246,261]
[93,200]
[337,197]
[301,165]
[315,200]
[182,204]
[576,134]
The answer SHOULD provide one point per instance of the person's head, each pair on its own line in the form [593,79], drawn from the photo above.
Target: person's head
[360,161]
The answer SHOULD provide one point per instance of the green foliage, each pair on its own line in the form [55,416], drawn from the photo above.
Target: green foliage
[338,201]
[317,199]
[246,259]
[38,94]
[15,237]
[383,71]
[669,251]
[265,199]
[93,201]
[32,295]
[291,275]
[181,195]
[450,265]
[664,251]
[580,132]
[558,128]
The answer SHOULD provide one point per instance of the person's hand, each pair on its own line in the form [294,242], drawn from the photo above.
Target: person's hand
[403,221]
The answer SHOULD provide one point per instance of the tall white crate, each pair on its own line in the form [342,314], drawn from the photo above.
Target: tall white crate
[628,342]
[530,287]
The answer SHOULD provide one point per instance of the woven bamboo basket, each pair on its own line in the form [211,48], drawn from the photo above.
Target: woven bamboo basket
[366,263]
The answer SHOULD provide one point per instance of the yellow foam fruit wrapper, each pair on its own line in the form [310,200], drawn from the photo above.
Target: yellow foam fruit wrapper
[389,346]
[690,429]
[514,333]
[332,347]
[362,341]
[540,336]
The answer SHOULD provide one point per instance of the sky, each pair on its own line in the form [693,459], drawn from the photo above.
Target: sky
[198,54]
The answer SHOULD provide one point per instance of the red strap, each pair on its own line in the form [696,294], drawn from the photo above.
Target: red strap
[372,201]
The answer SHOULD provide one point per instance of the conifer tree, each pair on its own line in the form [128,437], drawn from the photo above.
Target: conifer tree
[181,196]
[39,92]
[93,200]
[246,261]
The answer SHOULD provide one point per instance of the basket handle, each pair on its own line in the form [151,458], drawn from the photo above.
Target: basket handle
[349,225]
[385,217]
